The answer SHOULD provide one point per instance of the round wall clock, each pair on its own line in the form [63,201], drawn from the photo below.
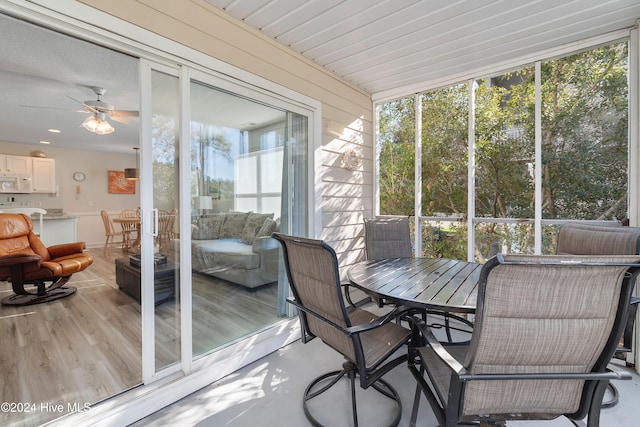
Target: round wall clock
[79,176]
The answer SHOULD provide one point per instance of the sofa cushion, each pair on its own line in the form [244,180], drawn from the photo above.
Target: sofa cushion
[233,225]
[207,227]
[254,223]
[222,254]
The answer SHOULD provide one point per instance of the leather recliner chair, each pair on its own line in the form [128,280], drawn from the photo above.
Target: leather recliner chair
[25,260]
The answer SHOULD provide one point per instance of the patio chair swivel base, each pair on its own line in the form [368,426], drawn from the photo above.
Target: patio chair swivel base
[350,371]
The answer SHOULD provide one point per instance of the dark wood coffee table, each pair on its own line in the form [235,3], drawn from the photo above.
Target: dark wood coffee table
[128,279]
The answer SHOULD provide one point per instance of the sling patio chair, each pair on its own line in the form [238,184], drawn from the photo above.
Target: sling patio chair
[546,328]
[365,340]
[387,238]
[588,239]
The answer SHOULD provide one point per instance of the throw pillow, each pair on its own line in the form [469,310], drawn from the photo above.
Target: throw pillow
[267,228]
[252,226]
[233,224]
[208,227]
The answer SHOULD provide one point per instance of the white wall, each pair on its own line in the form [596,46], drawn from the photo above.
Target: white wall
[94,195]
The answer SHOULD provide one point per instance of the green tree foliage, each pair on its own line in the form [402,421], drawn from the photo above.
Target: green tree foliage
[445,151]
[504,150]
[584,150]
[396,149]
[585,147]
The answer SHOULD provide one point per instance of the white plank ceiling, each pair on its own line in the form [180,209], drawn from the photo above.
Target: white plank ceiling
[386,46]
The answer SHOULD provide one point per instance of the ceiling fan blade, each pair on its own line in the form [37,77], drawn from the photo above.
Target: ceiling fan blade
[48,108]
[87,107]
[119,119]
[124,113]
[98,108]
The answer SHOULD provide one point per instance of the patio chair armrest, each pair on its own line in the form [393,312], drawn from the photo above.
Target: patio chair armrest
[307,310]
[623,375]
[347,295]
[609,375]
[357,329]
[439,349]
[397,312]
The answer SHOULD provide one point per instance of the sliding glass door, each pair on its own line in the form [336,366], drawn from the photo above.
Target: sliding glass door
[160,196]
[163,217]
[245,154]
[223,167]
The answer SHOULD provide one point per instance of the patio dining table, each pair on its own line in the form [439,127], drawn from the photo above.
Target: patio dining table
[426,283]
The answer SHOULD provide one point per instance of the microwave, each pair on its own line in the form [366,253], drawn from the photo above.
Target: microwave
[15,183]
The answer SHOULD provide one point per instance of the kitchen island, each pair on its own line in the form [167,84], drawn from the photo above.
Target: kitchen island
[57,228]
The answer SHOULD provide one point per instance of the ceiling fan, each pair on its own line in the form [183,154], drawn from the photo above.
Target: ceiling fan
[100,111]
[99,106]
[97,122]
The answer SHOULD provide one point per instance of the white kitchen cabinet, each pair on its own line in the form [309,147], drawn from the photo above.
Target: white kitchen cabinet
[15,164]
[44,175]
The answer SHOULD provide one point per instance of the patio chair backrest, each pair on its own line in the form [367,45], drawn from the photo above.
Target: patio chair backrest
[387,238]
[537,318]
[587,239]
[312,270]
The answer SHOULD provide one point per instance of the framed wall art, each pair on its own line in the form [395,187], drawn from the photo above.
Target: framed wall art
[119,185]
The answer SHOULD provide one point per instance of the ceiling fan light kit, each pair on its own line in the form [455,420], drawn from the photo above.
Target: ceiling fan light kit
[97,124]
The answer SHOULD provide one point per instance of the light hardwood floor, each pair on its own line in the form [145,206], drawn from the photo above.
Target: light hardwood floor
[87,347]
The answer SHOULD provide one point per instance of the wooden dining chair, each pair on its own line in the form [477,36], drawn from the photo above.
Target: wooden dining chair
[166,223]
[173,233]
[546,328]
[110,232]
[129,228]
[367,341]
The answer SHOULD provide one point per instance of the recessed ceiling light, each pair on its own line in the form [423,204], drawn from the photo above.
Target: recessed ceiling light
[45,142]
[54,130]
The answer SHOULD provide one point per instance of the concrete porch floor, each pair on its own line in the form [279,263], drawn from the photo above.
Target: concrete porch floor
[268,393]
